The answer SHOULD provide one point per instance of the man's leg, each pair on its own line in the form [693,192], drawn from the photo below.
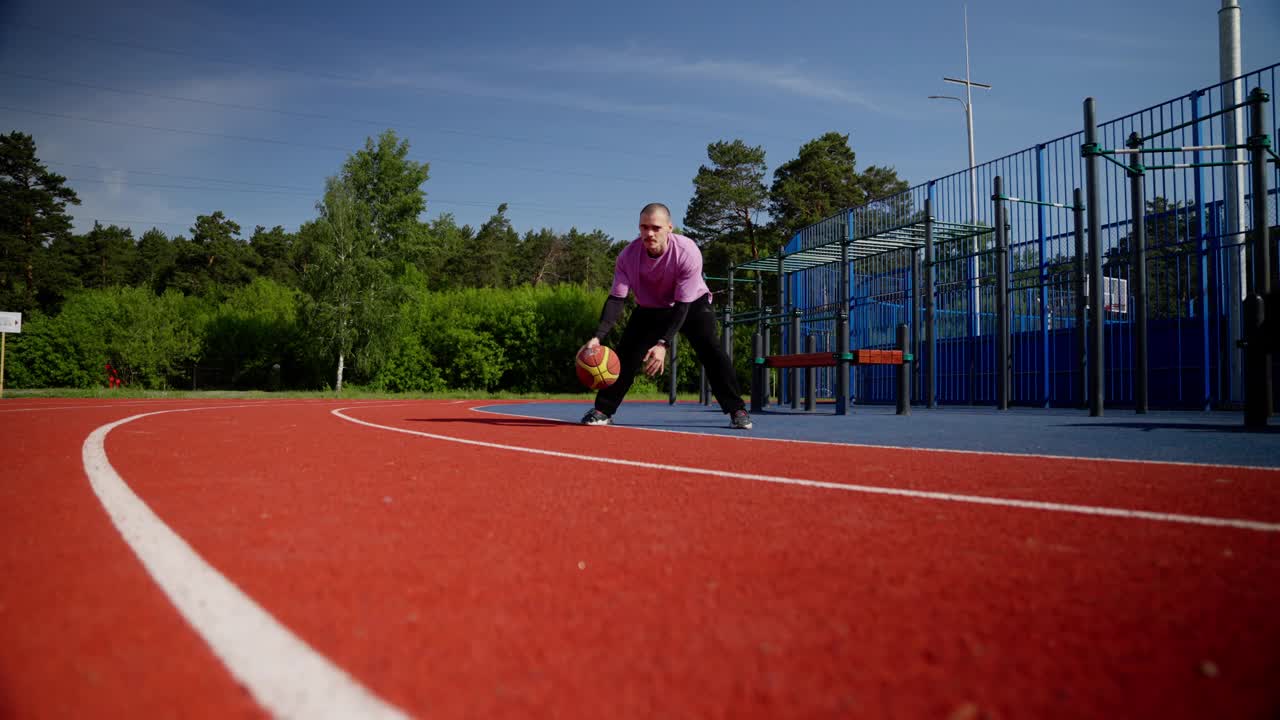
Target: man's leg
[700,331]
[642,331]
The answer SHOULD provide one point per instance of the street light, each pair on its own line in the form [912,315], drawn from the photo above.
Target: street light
[967,102]
[968,122]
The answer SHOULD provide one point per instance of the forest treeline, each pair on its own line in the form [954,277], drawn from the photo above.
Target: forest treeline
[366,292]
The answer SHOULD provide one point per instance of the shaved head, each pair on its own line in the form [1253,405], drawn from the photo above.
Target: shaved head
[655,207]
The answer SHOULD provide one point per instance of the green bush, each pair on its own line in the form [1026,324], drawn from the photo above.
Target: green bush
[147,339]
[255,329]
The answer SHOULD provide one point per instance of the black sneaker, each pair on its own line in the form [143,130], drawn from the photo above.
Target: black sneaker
[740,420]
[595,417]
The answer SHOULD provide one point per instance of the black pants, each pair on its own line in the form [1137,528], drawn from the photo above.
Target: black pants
[645,328]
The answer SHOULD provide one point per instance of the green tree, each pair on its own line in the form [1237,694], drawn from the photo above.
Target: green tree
[33,215]
[445,246]
[488,262]
[822,180]
[105,257]
[214,259]
[389,185]
[589,258]
[155,261]
[274,250]
[352,292]
[728,196]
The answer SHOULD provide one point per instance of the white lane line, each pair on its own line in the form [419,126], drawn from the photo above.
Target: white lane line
[284,674]
[105,406]
[488,409]
[870,489]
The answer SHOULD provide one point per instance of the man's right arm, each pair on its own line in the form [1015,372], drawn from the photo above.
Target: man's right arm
[609,315]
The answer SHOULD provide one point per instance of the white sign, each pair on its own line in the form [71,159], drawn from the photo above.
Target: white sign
[10,322]
[1115,295]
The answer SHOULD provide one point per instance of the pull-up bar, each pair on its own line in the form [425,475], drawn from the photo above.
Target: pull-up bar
[1245,103]
[1064,206]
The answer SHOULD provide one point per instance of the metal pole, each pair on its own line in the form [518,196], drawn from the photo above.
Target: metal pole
[1002,301]
[842,334]
[782,342]
[757,369]
[1258,165]
[1257,362]
[2,339]
[704,396]
[1097,373]
[1202,258]
[795,348]
[1046,388]
[1138,276]
[810,376]
[727,330]
[768,348]
[671,381]
[1233,241]
[915,321]
[930,359]
[1080,291]
[904,372]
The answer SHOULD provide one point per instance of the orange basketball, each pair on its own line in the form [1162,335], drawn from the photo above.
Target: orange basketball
[597,367]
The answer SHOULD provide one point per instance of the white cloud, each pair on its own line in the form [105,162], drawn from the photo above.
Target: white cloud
[790,78]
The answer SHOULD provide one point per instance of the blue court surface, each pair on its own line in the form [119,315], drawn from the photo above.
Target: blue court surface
[1217,438]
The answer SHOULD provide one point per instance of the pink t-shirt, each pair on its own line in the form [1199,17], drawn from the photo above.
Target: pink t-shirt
[672,277]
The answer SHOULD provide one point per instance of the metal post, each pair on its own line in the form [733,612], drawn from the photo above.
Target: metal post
[704,396]
[1202,255]
[1138,276]
[1257,361]
[842,364]
[795,349]
[783,387]
[1080,291]
[930,348]
[767,387]
[1232,240]
[1041,221]
[810,376]
[915,320]
[842,331]
[904,372]
[757,369]
[1002,299]
[671,380]
[1097,373]
[727,330]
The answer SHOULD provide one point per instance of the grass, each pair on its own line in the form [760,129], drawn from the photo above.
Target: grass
[348,393]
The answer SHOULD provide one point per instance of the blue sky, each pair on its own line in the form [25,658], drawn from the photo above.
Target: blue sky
[575,114]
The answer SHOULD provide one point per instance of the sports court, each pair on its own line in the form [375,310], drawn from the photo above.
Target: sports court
[316,558]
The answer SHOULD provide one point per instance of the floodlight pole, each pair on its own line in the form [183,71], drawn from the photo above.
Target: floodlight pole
[967,102]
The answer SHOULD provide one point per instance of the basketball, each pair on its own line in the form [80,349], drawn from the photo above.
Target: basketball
[597,367]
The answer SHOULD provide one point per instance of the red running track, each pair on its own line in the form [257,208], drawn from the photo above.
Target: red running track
[455,580]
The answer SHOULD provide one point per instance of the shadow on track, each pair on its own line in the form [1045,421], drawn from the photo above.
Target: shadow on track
[498,422]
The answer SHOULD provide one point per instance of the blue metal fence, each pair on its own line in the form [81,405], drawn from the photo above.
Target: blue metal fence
[1195,265]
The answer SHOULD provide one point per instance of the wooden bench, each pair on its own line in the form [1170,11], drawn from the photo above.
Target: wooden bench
[809,361]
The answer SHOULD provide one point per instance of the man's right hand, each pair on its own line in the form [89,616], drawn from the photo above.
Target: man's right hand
[592,343]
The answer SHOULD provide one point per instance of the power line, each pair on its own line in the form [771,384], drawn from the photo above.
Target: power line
[342,78]
[435,201]
[294,189]
[275,141]
[323,116]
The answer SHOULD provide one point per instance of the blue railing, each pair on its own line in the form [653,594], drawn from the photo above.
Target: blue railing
[1194,264]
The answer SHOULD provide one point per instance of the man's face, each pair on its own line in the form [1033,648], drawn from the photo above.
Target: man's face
[654,228]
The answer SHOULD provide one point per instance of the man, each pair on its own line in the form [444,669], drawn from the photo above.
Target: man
[664,272]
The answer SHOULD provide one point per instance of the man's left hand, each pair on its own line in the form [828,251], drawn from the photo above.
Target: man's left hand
[655,361]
